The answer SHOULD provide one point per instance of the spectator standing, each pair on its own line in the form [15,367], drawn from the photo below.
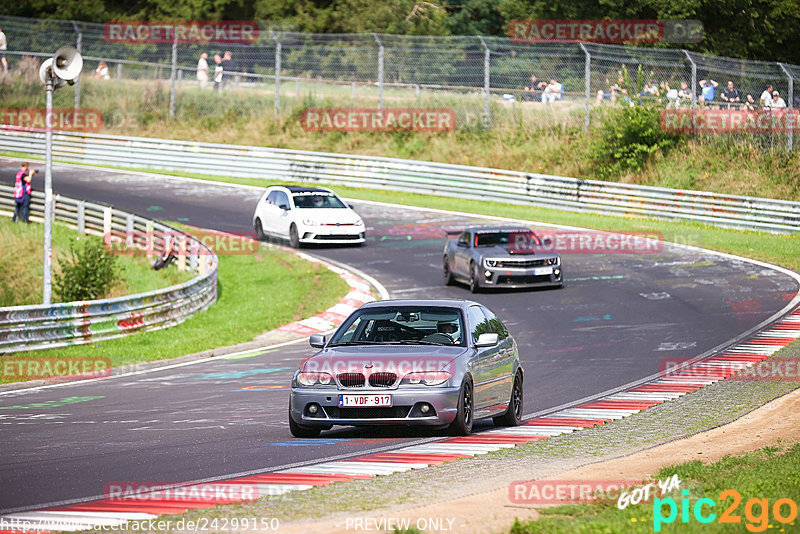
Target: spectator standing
[3,47]
[766,97]
[708,89]
[228,65]
[22,194]
[218,71]
[731,94]
[202,70]
[554,91]
[102,71]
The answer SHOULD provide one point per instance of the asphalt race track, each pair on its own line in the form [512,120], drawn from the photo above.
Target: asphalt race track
[617,318]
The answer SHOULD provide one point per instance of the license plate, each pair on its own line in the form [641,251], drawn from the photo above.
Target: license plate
[539,271]
[364,401]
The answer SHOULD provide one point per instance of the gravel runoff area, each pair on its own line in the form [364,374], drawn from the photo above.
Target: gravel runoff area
[439,487]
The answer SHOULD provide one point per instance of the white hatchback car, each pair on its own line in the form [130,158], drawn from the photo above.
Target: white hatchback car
[307,215]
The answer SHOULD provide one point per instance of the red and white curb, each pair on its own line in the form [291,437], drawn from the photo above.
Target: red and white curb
[596,412]
[360,293]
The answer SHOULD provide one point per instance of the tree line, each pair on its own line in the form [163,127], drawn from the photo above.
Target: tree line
[766,30]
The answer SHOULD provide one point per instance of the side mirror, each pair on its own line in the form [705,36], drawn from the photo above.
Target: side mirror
[284,207]
[462,244]
[318,340]
[487,340]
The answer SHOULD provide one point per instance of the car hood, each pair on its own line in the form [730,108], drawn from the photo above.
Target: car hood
[498,251]
[400,359]
[330,215]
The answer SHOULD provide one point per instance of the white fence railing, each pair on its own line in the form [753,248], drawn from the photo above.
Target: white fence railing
[608,198]
[47,326]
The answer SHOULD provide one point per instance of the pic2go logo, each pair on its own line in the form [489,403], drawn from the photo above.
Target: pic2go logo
[756,511]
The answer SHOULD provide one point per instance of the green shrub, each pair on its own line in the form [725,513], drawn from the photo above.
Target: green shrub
[89,272]
[628,137]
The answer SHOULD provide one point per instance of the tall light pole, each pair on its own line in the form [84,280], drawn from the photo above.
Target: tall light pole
[64,67]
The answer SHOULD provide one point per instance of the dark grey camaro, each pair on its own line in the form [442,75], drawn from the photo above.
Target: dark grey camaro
[502,257]
[438,363]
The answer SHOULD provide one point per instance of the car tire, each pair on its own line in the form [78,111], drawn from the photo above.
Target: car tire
[513,416]
[300,431]
[448,274]
[474,284]
[462,426]
[294,239]
[260,235]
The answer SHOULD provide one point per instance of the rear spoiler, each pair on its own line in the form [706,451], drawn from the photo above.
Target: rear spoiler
[453,233]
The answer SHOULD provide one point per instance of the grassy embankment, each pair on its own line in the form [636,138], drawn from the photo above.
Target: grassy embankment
[21,264]
[525,136]
[767,476]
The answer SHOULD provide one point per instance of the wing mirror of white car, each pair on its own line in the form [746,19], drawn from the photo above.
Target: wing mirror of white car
[487,340]
[284,207]
[318,340]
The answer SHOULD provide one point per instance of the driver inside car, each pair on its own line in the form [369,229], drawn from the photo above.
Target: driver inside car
[449,329]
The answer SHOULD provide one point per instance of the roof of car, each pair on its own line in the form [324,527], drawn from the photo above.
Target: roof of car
[452,303]
[493,229]
[301,189]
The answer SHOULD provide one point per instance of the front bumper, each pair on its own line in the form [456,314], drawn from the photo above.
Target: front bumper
[520,278]
[405,410]
[333,235]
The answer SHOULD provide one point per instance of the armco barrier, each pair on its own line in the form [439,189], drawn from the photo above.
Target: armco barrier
[40,326]
[731,211]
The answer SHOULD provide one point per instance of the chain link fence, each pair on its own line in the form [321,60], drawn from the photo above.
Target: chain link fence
[485,80]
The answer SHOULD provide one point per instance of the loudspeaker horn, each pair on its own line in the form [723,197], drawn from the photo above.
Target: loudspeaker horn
[67,63]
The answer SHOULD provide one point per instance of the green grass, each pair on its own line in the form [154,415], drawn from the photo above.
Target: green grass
[256,293]
[770,473]
[21,264]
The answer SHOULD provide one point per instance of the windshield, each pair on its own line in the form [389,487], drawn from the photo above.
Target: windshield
[318,200]
[489,239]
[411,325]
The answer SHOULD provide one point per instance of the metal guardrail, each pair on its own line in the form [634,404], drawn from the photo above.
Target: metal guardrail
[557,192]
[42,327]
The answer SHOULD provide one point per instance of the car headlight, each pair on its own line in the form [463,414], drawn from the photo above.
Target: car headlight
[429,378]
[490,263]
[312,379]
[554,261]
[309,222]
